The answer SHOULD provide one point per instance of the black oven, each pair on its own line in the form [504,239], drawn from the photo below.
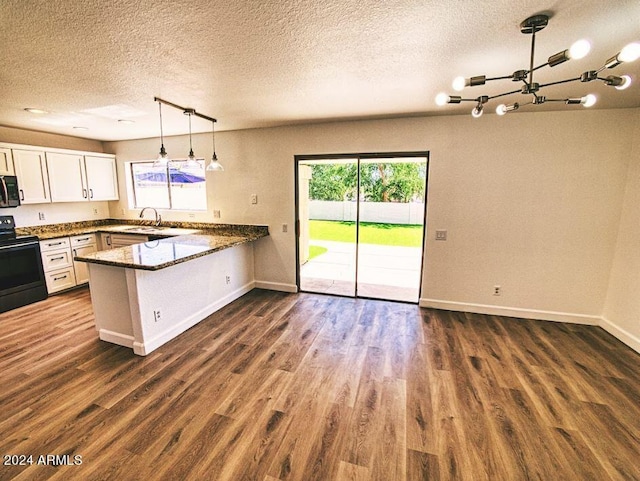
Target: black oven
[9,192]
[21,274]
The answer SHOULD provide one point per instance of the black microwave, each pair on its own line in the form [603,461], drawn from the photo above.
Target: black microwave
[9,193]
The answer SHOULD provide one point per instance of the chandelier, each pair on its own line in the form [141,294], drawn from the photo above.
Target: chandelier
[578,50]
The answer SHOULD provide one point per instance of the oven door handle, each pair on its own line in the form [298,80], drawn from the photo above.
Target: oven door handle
[5,197]
[9,246]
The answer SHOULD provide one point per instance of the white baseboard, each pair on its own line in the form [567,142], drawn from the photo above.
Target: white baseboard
[629,339]
[116,338]
[277,286]
[148,346]
[511,312]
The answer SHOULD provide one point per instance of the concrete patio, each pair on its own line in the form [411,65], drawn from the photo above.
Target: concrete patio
[384,272]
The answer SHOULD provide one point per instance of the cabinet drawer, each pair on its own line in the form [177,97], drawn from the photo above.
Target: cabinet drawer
[60,279]
[82,240]
[57,259]
[53,244]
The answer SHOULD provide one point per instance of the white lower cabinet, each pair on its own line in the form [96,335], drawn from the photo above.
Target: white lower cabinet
[60,279]
[82,245]
[60,270]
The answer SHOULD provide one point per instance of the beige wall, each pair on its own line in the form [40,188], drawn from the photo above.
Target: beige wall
[543,204]
[32,137]
[532,201]
[622,308]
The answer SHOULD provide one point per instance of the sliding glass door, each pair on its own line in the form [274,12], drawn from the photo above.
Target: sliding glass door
[328,235]
[361,224]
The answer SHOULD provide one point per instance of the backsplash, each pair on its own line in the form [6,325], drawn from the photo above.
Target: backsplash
[43,214]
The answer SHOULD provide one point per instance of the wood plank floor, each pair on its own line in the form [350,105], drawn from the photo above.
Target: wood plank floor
[309,387]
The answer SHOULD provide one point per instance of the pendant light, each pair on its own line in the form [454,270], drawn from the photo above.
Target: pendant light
[192,162]
[214,165]
[163,159]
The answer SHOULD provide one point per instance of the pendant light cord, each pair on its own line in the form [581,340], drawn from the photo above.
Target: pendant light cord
[161,132]
[213,137]
[190,146]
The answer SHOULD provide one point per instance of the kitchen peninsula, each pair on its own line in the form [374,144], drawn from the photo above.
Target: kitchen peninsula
[146,294]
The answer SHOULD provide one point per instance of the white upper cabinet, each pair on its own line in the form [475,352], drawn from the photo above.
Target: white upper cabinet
[33,181]
[59,175]
[102,180]
[6,162]
[78,178]
[66,177]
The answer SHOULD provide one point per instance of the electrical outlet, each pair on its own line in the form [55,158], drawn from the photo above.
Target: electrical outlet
[41,215]
[191,215]
[254,198]
[95,211]
[122,211]
[216,214]
[441,235]
[285,228]
[228,279]
[156,315]
[497,290]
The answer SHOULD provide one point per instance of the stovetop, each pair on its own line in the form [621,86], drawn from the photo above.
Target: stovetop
[8,232]
[9,239]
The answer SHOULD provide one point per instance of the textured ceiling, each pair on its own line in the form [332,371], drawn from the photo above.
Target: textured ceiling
[264,63]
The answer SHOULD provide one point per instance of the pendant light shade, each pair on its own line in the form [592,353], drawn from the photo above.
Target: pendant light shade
[163,159]
[214,165]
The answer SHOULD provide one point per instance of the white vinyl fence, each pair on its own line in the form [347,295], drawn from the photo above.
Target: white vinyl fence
[383,212]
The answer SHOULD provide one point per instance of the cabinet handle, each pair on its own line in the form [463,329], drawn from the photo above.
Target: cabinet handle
[53,243]
[91,193]
[21,194]
[61,277]
[84,193]
[83,239]
[57,258]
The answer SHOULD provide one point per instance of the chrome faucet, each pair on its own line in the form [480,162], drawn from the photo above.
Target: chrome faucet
[158,217]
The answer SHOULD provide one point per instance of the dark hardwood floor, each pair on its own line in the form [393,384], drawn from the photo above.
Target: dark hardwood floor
[309,387]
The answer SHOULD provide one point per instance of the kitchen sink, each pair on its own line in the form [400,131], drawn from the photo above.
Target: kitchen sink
[145,228]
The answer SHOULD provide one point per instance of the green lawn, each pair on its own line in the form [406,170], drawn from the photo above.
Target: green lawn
[370,233]
[315,251]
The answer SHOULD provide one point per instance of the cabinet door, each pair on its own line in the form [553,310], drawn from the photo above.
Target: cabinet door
[6,162]
[33,182]
[102,181]
[66,177]
[105,241]
[81,269]
[122,240]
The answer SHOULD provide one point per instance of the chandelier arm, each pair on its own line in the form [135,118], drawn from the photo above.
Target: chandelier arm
[499,78]
[546,64]
[560,82]
[506,93]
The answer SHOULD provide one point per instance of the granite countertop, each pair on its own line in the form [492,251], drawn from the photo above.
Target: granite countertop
[176,242]
[161,253]
[126,226]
